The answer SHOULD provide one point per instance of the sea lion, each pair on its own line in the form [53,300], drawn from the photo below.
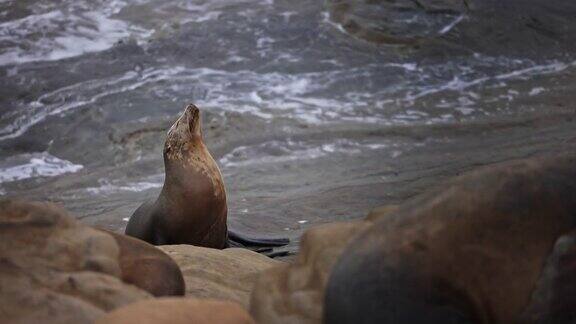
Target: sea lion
[147,267]
[472,252]
[191,208]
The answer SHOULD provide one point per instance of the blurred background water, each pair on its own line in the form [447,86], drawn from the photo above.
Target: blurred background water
[317,111]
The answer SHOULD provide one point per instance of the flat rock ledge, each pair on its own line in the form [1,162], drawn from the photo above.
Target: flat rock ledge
[227,275]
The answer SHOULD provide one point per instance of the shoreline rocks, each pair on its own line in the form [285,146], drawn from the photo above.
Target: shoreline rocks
[227,274]
[294,292]
[178,311]
[495,245]
[461,26]
[53,268]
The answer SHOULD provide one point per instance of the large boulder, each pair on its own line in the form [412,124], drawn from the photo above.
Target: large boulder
[53,269]
[219,274]
[178,311]
[294,293]
[495,245]
[493,27]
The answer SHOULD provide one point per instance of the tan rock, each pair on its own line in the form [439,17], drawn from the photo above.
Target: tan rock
[178,311]
[219,274]
[52,269]
[294,293]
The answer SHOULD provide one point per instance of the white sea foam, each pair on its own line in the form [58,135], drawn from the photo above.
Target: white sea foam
[60,33]
[35,165]
[56,102]
[326,20]
[201,11]
[285,151]
[107,187]
[536,91]
[411,67]
[457,84]
[314,97]
[264,42]
[452,24]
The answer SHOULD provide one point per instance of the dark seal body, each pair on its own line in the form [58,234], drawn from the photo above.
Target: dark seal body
[489,247]
[191,208]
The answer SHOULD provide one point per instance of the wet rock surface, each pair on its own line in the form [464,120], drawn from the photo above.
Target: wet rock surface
[55,269]
[511,27]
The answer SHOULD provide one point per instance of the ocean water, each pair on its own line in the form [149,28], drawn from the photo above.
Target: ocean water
[315,111]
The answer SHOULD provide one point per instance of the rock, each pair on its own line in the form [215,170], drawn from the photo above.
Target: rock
[219,274]
[294,293]
[495,245]
[385,22]
[491,27]
[148,268]
[52,269]
[178,311]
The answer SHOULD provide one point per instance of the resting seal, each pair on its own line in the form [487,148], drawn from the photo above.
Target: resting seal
[191,208]
[494,246]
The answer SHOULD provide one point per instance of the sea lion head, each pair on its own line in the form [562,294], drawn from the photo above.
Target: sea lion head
[184,136]
[186,156]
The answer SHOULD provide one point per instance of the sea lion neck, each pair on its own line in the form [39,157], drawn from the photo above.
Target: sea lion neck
[186,157]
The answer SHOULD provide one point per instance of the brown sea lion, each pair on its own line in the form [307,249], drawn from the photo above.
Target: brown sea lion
[472,252]
[191,208]
[147,267]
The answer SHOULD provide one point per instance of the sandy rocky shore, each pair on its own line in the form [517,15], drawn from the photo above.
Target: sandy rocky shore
[57,270]
[56,267]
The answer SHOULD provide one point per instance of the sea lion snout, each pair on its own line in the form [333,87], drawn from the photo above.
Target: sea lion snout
[191,117]
[188,123]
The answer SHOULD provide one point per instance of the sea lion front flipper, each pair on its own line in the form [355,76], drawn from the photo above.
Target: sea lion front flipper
[235,239]
[276,254]
[141,223]
[268,251]
[554,297]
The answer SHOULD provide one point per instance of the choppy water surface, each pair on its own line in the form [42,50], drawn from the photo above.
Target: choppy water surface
[316,111]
